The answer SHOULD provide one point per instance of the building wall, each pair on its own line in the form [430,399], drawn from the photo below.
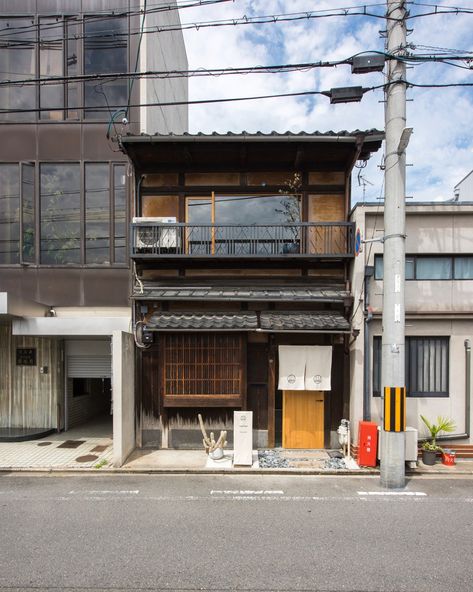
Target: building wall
[433,308]
[163,51]
[464,189]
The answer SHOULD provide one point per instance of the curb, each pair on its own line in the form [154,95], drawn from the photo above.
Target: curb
[244,471]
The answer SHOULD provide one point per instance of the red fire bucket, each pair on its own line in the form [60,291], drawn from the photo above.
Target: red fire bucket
[448,458]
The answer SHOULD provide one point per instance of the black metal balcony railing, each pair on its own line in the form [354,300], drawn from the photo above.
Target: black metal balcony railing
[309,239]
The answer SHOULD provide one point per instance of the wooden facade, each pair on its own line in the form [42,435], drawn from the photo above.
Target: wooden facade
[271,215]
[31,386]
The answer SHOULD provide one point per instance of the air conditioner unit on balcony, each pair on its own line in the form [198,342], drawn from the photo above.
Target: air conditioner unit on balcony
[150,236]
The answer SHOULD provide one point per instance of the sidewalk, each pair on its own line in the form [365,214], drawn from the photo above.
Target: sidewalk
[77,450]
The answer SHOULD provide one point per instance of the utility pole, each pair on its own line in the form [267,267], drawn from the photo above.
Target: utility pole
[393,340]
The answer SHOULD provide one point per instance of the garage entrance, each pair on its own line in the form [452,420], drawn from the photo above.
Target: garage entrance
[88,401]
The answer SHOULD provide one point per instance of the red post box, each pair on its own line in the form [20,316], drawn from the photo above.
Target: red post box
[367,443]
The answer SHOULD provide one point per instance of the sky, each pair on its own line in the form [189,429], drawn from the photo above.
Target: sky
[441,147]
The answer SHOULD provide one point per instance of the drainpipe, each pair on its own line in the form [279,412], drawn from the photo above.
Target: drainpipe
[447,437]
[137,196]
[369,272]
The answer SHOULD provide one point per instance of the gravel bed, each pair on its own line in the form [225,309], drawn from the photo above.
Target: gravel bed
[271,459]
[335,464]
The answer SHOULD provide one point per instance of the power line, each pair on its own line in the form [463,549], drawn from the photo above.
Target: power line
[216,72]
[110,15]
[355,11]
[237,99]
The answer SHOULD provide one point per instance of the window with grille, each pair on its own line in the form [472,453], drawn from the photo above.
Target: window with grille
[427,366]
[203,370]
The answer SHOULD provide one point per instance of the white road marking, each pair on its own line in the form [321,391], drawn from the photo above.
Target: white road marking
[106,492]
[408,493]
[246,492]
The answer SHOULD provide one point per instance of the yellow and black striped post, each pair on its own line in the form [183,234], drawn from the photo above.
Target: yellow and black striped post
[394,409]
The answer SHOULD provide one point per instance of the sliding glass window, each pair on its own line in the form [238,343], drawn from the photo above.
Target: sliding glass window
[27,209]
[17,62]
[97,213]
[9,214]
[119,213]
[60,213]
[105,51]
[51,64]
[244,224]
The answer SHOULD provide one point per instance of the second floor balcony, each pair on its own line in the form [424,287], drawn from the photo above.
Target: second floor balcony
[312,240]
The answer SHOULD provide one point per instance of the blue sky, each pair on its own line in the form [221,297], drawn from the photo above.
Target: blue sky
[441,148]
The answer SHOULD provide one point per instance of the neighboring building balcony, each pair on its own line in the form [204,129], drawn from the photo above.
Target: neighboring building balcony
[311,240]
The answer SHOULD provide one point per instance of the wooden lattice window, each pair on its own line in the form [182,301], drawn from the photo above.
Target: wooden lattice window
[203,370]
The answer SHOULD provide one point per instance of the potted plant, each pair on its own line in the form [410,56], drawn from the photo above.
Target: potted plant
[430,448]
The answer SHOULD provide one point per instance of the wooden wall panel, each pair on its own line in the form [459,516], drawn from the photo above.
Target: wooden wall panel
[160,205]
[161,180]
[150,383]
[327,178]
[327,208]
[273,178]
[35,396]
[5,375]
[257,377]
[211,179]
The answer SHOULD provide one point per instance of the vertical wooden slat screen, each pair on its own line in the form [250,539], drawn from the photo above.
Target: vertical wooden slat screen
[204,366]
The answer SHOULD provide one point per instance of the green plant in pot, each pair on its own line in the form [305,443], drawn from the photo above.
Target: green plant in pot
[430,447]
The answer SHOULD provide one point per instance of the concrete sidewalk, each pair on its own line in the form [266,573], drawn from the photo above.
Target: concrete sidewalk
[87,447]
[89,450]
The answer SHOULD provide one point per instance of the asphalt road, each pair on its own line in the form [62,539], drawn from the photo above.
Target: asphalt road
[219,533]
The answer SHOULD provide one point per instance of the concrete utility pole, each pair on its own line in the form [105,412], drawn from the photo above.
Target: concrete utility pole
[393,340]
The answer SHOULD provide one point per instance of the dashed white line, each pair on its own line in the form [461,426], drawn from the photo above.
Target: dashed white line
[106,492]
[246,492]
[393,493]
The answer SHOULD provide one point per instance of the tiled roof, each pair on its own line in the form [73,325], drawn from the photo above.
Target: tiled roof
[242,321]
[259,134]
[304,321]
[272,294]
[321,321]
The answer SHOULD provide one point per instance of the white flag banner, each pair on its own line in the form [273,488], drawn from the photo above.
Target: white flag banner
[292,361]
[318,368]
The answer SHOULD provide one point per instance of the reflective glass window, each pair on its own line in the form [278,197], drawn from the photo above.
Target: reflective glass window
[51,63]
[378,267]
[434,268]
[464,268]
[105,51]
[97,213]
[275,211]
[410,268]
[9,214]
[119,206]
[72,67]
[27,205]
[199,238]
[60,213]
[17,62]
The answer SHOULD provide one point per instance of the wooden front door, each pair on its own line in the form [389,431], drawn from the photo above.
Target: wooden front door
[303,419]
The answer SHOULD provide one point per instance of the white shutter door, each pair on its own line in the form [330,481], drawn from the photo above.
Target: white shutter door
[89,366]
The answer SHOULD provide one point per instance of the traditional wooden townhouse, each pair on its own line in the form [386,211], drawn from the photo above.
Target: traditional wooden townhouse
[241,297]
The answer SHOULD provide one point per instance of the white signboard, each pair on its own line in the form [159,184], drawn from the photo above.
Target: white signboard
[243,438]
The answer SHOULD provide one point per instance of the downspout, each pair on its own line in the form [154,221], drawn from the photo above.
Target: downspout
[137,196]
[447,437]
[369,272]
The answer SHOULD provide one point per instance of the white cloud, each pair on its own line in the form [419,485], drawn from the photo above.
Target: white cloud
[441,148]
